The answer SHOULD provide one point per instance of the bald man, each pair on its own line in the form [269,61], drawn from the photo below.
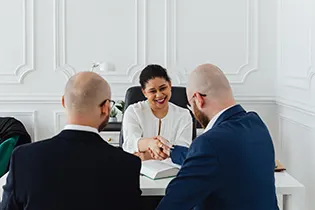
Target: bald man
[231,165]
[76,169]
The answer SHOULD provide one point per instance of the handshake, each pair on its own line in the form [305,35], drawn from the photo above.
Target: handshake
[158,148]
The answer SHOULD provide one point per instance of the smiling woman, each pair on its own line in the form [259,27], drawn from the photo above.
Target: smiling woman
[152,126]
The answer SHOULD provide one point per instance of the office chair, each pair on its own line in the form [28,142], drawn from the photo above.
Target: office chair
[179,98]
[12,134]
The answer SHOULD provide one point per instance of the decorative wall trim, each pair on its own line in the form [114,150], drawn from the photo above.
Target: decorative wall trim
[30,99]
[56,99]
[31,114]
[57,116]
[251,59]
[254,99]
[297,106]
[285,118]
[114,77]
[297,81]
[292,120]
[27,65]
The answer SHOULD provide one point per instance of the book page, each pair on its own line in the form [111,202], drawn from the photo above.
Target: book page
[156,165]
[169,162]
[156,169]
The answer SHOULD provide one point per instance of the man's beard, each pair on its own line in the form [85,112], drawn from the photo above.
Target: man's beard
[200,116]
[103,124]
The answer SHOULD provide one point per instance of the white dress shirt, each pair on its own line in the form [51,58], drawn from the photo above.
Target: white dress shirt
[80,128]
[139,122]
[215,118]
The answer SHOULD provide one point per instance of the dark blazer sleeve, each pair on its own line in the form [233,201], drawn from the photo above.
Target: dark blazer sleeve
[196,179]
[178,154]
[9,201]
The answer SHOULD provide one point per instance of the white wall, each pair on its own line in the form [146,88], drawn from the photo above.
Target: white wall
[296,91]
[266,48]
[43,43]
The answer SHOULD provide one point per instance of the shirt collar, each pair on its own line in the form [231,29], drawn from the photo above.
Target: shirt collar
[81,128]
[215,118]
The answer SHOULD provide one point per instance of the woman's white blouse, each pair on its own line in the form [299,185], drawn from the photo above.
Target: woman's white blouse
[139,122]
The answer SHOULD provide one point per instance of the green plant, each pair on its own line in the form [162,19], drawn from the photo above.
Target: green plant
[120,105]
[113,112]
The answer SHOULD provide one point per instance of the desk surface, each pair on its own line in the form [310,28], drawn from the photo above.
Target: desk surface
[285,185]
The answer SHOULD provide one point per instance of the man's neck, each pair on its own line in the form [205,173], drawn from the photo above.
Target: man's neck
[82,123]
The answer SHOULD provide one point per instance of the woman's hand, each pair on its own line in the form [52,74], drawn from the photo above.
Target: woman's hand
[155,147]
[144,155]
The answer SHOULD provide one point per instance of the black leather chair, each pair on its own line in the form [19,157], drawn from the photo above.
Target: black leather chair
[11,128]
[179,97]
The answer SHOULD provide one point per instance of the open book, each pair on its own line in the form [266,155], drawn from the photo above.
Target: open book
[156,169]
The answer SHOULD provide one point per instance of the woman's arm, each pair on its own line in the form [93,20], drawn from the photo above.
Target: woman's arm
[132,131]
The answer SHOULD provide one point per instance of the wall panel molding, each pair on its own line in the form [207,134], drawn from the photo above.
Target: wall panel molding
[287,118]
[27,64]
[302,82]
[250,64]
[106,68]
[56,99]
[24,98]
[28,118]
[58,115]
[296,105]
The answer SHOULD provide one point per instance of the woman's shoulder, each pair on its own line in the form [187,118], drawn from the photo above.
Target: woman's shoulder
[137,107]
[180,111]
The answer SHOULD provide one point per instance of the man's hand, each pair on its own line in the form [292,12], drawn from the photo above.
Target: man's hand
[166,147]
[155,147]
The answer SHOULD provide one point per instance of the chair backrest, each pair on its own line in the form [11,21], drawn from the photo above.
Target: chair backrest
[11,127]
[179,97]
[6,149]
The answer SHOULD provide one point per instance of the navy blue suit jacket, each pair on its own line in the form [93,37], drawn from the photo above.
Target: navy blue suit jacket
[229,167]
[73,170]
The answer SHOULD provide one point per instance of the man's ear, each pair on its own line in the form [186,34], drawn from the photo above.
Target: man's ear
[105,109]
[63,101]
[200,100]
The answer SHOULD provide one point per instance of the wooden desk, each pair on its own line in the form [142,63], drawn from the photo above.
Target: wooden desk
[286,186]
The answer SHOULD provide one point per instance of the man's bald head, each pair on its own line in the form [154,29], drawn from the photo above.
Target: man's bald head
[208,92]
[84,92]
[210,80]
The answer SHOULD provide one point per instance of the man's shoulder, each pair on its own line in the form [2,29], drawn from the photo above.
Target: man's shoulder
[34,147]
[126,157]
[230,130]
[215,135]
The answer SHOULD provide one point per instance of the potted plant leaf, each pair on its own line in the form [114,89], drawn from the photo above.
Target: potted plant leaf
[113,115]
[119,107]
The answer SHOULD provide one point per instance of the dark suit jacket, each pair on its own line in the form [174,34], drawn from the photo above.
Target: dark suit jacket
[73,170]
[230,167]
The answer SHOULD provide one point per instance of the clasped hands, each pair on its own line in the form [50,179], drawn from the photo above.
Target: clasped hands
[157,148]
